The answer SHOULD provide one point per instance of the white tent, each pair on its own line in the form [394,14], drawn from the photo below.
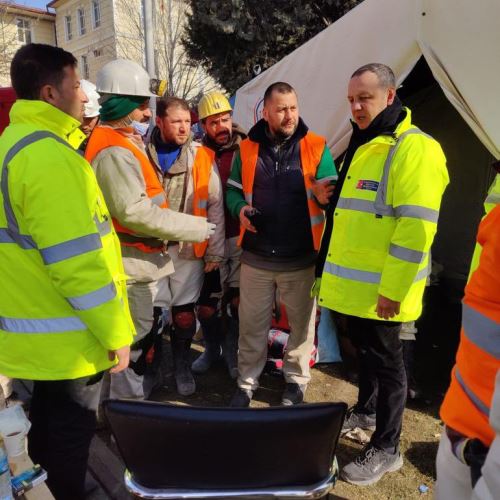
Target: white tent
[460,42]
[459,39]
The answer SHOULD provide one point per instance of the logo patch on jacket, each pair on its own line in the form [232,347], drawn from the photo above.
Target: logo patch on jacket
[367,185]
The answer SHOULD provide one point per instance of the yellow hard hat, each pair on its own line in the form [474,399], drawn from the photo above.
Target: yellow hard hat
[213,104]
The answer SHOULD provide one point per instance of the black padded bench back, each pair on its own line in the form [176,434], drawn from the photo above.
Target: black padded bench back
[167,446]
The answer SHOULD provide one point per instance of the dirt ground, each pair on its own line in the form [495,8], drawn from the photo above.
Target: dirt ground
[419,441]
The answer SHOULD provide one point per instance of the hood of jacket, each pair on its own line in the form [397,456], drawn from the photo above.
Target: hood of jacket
[43,115]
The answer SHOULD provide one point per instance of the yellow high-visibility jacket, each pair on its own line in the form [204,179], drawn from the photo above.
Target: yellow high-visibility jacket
[63,301]
[492,200]
[384,224]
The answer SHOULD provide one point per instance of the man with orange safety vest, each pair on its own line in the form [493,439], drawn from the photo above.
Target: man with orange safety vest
[470,444]
[191,181]
[138,204]
[275,191]
[220,317]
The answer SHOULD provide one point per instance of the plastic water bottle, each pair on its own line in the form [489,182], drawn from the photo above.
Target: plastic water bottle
[5,486]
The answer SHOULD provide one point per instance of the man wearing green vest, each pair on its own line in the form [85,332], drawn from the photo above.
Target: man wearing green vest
[64,316]
[385,211]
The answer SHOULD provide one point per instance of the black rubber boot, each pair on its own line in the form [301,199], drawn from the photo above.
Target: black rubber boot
[181,348]
[231,346]
[212,336]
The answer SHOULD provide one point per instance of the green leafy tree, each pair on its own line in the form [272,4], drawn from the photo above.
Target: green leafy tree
[236,39]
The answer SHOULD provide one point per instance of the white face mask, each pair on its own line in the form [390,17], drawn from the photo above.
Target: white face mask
[141,128]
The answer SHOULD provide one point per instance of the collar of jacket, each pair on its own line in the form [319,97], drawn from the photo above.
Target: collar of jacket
[258,133]
[238,134]
[43,115]
[402,126]
[181,164]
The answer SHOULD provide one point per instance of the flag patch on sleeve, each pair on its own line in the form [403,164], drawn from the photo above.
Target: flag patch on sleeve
[367,185]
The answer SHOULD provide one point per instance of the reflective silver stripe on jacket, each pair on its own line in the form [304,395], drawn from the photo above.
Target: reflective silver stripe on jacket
[493,198]
[417,212]
[93,299]
[317,219]
[381,198]
[52,325]
[103,227]
[481,330]
[71,248]
[235,184]
[24,241]
[380,206]
[202,204]
[11,234]
[403,253]
[159,199]
[411,211]
[364,276]
[470,394]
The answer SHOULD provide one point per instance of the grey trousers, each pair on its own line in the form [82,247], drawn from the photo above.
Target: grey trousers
[127,383]
[257,287]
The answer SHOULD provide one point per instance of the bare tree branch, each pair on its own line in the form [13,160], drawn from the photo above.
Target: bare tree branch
[170,17]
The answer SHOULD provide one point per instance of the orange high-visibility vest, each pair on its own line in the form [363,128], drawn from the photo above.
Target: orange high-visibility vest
[467,403]
[311,151]
[105,137]
[202,168]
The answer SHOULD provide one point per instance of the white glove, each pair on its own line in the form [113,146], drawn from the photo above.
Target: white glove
[210,230]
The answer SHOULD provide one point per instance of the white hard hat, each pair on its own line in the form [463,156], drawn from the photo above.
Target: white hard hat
[124,77]
[92,107]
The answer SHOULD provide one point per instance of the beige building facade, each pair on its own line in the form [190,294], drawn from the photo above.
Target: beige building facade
[90,30]
[98,31]
[20,25]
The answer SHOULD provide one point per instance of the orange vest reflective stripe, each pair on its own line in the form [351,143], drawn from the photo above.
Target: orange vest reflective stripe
[202,168]
[467,403]
[105,137]
[311,151]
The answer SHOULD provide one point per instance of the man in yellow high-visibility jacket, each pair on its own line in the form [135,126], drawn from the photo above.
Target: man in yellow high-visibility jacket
[388,197]
[64,316]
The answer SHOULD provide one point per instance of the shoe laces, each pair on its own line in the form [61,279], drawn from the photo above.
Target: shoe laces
[366,456]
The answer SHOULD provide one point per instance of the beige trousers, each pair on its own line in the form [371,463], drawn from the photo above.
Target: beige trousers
[257,287]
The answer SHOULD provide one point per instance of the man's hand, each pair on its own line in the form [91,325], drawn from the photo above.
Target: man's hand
[123,355]
[387,308]
[245,221]
[322,190]
[211,266]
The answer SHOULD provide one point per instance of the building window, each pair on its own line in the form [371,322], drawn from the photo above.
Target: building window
[80,13]
[85,67]
[24,31]
[97,52]
[96,13]
[67,27]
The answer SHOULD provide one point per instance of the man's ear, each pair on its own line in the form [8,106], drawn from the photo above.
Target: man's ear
[48,94]
[391,95]
[157,121]
[265,113]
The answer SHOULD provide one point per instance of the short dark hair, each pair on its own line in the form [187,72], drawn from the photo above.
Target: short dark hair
[384,74]
[163,104]
[36,65]
[280,87]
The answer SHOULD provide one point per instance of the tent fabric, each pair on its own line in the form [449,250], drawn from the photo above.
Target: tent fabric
[458,38]
[460,41]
